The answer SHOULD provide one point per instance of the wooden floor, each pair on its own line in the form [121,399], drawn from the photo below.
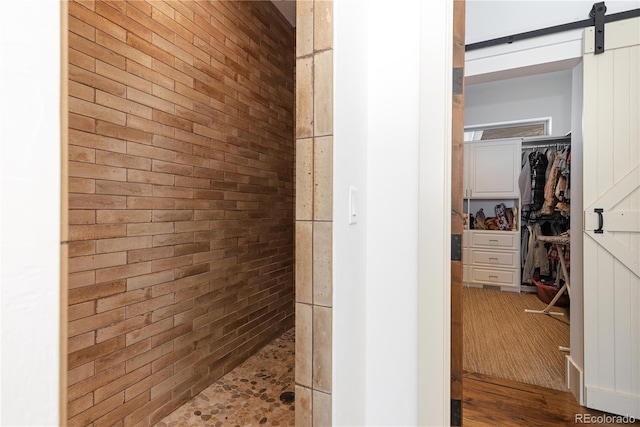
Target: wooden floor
[490,401]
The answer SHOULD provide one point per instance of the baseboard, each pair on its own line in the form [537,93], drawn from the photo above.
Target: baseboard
[575,380]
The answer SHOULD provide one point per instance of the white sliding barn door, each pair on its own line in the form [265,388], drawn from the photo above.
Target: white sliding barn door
[611,125]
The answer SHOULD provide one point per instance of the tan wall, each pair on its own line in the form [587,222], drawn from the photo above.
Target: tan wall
[314,211]
[181,199]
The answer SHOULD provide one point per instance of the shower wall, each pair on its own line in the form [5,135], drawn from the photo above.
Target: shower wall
[181,199]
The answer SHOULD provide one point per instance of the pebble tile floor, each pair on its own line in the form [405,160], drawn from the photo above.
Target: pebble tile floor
[249,395]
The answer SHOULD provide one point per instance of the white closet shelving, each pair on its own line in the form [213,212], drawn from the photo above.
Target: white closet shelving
[492,257]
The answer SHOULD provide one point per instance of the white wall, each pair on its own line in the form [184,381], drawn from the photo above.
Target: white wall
[544,95]
[392,213]
[30,197]
[375,269]
[349,241]
[378,143]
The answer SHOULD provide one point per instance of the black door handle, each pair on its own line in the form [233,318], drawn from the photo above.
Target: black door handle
[600,221]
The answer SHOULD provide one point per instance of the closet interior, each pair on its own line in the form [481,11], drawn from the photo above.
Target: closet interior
[516,190]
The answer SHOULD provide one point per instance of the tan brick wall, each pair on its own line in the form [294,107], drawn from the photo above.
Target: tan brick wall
[181,199]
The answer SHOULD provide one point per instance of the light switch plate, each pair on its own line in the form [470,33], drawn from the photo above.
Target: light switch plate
[353,205]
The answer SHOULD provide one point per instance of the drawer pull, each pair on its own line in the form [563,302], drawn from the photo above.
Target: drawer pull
[493,260]
[495,278]
[493,242]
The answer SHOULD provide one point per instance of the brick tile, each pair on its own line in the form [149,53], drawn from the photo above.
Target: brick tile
[123,244]
[172,215]
[148,75]
[121,355]
[78,90]
[82,217]
[125,271]
[82,185]
[149,331]
[126,50]
[89,170]
[150,254]
[80,373]
[126,408]
[149,228]
[83,123]
[134,202]
[102,142]
[171,263]
[148,382]
[95,322]
[81,60]
[123,188]
[123,161]
[172,144]
[81,388]
[81,28]
[123,327]
[120,104]
[89,293]
[122,76]
[92,353]
[96,21]
[148,356]
[149,100]
[172,192]
[93,262]
[171,334]
[150,126]
[80,106]
[96,201]
[96,411]
[149,279]
[79,405]
[172,310]
[123,132]
[79,342]
[172,239]
[87,232]
[94,50]
[78,311]
[122,299]
[84,278]
[122,216]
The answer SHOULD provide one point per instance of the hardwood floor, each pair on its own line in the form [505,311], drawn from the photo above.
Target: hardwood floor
[491,401]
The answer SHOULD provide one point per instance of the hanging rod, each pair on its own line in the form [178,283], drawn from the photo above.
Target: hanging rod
[552,30]
[556,144]
[547,139]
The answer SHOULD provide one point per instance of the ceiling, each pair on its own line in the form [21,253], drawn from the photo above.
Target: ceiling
[288,9]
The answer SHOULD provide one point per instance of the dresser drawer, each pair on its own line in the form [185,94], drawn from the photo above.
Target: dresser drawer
[498,239]
[497,258]
[488,276]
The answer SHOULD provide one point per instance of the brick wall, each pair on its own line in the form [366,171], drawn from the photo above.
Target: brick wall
[181,199]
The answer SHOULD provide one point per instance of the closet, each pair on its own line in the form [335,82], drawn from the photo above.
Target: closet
[514,192]
[545,184]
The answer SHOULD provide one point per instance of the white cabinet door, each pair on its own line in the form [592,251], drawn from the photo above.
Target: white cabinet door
[494,167]
[611,182]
